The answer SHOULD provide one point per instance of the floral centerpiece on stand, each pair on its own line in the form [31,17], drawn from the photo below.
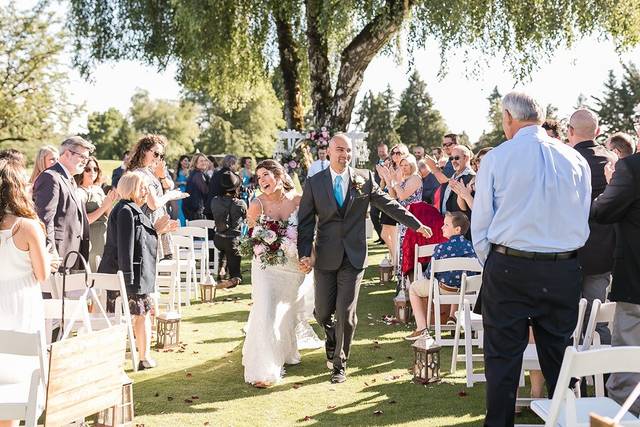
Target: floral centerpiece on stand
[272,242]
[318,139]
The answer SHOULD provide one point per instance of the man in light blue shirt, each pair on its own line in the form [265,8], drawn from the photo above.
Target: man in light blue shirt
[530,215]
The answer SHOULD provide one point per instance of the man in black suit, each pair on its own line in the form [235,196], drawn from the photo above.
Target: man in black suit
[374,212]
[596,257]
[59,208]
[619,204]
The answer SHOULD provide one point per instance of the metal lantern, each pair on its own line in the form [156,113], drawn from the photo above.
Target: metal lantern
[168,330]
[426,363]
[386,270]
[402,307]
[207,292]
[120,415]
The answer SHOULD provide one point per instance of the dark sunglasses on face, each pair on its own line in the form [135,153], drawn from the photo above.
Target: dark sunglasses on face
[158,154]
[88,169]
[452,158]
[393,153]
[448,144]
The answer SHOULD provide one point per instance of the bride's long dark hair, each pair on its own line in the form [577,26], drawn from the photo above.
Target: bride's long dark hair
[278,172]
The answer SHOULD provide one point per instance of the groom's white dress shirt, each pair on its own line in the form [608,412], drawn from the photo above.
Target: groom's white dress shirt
[345,180]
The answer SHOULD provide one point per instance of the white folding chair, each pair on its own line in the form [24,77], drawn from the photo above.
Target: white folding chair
[420,252]
[73,310]
[567,410]
[103,282]
[24,400]
[183,261]
[436,299]
[207,224]
[600,313]
[530,360]
[199,236]
[468,322]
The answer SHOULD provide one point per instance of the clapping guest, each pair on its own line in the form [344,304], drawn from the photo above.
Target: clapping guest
[466,192]
[229,213]
[463,174]
[147,156]
[98,206]
[180,179]
[131,247]
[25,264]
[197,187]
[430,183]
[46,157]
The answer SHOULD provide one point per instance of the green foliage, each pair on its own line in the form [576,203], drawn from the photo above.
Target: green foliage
[377,116]
[423,125]
[175,120]
[495,135]
[34,109]
[615,106]
[246,131]
[110,132]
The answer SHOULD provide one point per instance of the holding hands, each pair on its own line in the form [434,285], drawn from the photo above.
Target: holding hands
[305,264]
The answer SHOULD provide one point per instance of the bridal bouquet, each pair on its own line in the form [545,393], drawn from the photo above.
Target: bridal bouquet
[271,242]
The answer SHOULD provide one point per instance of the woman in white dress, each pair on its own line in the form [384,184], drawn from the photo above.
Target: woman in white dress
[271,329]
[25,264]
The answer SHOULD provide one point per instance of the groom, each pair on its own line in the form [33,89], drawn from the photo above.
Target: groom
[332,213]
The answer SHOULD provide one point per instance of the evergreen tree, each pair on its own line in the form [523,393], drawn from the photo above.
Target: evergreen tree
[377,117]
[495,135]
[423,125]
[615,106]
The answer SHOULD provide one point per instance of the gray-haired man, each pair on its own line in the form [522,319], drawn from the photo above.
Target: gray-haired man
[530,215]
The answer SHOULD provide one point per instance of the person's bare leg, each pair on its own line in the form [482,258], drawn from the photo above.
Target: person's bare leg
[9,423]
[536,377]
[140,332]
[386,236]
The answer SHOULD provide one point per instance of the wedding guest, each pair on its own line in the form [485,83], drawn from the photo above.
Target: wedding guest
[437,154]
[98,206]
[25,264]
[14,155]
[229,162]
[132,247]
[147,156]
[229,213]
[454,227]
[46,157]
[180,179]
[466,192]
[406,187]
[117,172]
[319,165]
[552,127]
[418,152]
[463,174]
[430,183]
[389,168]
[246,174]
[431,217]
[213,166]
[197,187]
[443,173]
[54,192]
[375,213]
[621,144]
[531,273]
[596,256]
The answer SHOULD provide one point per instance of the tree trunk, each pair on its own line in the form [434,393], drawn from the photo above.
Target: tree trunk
[358,54]
[318,51]
[290,68]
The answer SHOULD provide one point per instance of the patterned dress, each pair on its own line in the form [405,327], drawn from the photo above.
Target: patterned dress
[402,229]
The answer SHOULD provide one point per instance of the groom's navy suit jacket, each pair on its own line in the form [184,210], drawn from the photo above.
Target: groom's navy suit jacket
[340,231]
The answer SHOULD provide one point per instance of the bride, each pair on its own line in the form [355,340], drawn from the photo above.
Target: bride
[276,289]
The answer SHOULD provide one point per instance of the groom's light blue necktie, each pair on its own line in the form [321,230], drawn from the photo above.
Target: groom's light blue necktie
[337,191]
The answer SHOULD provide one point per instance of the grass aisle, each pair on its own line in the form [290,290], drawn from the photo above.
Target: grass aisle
[202,384]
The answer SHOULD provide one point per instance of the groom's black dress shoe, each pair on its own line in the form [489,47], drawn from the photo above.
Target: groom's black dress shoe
[338,376]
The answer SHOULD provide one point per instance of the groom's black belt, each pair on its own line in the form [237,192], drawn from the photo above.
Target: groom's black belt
[541,256]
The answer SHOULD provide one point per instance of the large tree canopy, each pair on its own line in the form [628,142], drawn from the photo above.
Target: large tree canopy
[227,46]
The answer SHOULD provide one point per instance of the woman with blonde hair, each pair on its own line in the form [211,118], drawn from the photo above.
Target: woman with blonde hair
[46,157]
[131,247]
[25,264]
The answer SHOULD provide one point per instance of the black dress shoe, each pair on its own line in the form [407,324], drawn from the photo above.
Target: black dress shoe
[338,376]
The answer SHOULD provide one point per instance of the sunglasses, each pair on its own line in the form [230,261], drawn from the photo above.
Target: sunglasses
[393,153]
[452,158]
[88,169]
[158,154]
[448,144]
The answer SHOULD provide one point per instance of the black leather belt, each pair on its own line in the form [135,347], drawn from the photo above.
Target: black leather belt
[542,256]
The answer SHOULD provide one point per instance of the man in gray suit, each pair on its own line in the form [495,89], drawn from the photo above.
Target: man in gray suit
[332,213]
[59,208]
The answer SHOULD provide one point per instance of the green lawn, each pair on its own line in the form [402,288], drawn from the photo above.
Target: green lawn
[202,383]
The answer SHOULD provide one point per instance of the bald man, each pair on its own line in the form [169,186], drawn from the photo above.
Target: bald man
[331,220]
[596,257]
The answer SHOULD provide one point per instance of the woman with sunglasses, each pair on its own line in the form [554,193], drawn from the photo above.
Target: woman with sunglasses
[148,157]
[390,168]
[98,207]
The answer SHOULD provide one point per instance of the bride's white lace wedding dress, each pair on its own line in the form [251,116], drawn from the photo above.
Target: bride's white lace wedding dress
[278,303]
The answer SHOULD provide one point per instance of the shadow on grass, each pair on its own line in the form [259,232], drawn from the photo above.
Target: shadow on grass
[239,316]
